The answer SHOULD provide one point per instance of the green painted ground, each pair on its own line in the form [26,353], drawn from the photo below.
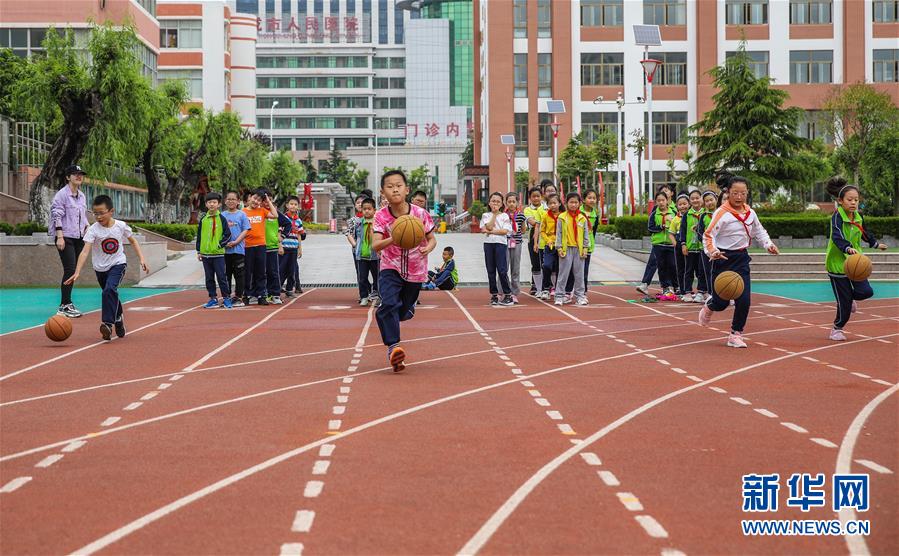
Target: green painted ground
[818,291]
[25,307]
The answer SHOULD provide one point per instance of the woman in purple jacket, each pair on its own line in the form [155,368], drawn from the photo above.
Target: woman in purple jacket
[68,222]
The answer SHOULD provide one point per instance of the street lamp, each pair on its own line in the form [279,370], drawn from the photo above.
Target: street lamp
[271,124]
[509,142]
[619,197]
[555,127]
[649,68]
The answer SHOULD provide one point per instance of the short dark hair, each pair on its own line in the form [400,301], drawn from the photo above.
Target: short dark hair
[449,250]
[533,190]
[293,198]
[588,191]
[213,196]
[511,194]
[545,182]
[103,200]
[369,201]
[572,195]
[230,191]
[739,179]
[389,173]
[367,193]
[661,193]
[261,192]
[420,193]
[662,189]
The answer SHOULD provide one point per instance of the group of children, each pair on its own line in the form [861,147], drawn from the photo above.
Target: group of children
[256,246]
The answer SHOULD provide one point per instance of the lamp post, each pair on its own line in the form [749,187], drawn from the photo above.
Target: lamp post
[508,168]
[555,128]
[271,124]
[620,103]
[649,68]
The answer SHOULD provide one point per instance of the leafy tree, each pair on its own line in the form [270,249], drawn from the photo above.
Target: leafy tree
[99,100]
[162,144]
[523,179]
[284,175]
[579,159]
[416,179]
[250,164]
[311,170]
[467,157]
[12,69]
[880,173]
[750,133]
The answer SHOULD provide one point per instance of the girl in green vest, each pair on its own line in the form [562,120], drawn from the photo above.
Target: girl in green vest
[847,230]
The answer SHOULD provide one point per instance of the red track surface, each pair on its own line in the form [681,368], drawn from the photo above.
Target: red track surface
[513,430]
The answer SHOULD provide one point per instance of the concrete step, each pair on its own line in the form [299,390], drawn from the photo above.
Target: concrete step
[811,266]
[820,275]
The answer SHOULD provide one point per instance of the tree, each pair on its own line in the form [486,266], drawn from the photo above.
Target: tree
[284,175]
[879,171]
[638,145]
[523,179]
[855,115]
[99,100]
[748,132]
[345,172]
[250,163]
[466,159]
[12,69]
[416,178]
[311,170]
[162,145]
[579,159]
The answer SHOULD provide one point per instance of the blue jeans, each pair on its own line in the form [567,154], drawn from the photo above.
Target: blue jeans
[496,257]
[398,299]
[254,267]
[737,261]
[109,280]
[214,268]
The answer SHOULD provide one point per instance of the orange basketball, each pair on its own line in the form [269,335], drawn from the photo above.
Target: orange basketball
[729,285]
[58,328]
[407,231]
[857,267]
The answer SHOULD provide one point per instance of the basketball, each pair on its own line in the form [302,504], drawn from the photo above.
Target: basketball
[857,267]
[729,285]
[58,328]
[407,231]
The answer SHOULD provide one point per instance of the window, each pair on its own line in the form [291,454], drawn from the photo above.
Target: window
[544,19]
[746,12]
[758,61]
[308,122]
[664,12]
[397,63]
[149,5]
[382,103]
[544,135]
[520,77]
[306,102]
[313,61]
[813,125]
[804,12]
[341,143]
[389,123]
[602,13]
[811,66]
[398,35]
[602,69]
[380,83]
[594,124]
[180,33]
[313,144]
[886,66]
[379,63]
[673,70]
[382,22]
[397,82]
[193,79]
[309,82]
[667,127]
[521,135]
[283,144]
[398,103]
[520,18]
[886,11]
[545,75]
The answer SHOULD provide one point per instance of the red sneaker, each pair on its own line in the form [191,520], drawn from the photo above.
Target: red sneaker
[397,357]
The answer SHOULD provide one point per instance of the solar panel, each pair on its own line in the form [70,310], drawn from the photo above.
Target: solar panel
[507,139]
[555,106]
[647,35]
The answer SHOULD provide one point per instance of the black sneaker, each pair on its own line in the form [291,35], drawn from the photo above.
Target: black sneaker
[299,290]
[494,300]
[105,331]
[120,327]
[507,301]
[262,301]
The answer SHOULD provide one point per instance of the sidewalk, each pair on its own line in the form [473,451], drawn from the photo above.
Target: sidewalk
[327,261]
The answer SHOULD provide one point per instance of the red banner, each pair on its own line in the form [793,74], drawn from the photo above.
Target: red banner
[602,200]
[630,174]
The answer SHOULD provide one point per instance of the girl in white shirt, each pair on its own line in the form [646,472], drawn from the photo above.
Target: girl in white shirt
[726,241]
[496,226]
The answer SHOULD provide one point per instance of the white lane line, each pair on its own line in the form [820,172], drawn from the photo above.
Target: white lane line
[694,378]
[566,428]
[678,370]
[302,522]
[149,395]
[874,466]
[672,552]
[326,450]
[630,501]
[291,549]
[717,389]
[878,381]
[812,359]
[499,351]
[72,446]
[516,371]
[352,369]
[535,393]
[49,460]
[860,375]
[651,356]
[338,409]
[504,357]
[527,383]
[343,399]
[662,361]
[510,364]
[611,336]
[794,427]
[652,527]
[175,378]
[348,380]
[320,467]
[132,406]
[885,341]
[354,362]
[313,489]
[110,421]
[856,543]
[492,343]
[14,484]
[823,442]
[741,401]
[766,413]
[164,386]
[591,458]
[344,389]
[554,415]
[762,344]
[608,478]
[632,346]
[620,341]
[334,424]
[837,367]
[542,401]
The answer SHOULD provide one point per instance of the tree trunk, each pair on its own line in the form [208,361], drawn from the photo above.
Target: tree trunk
[640,175]
[154,187]
[66,150]
[896,197]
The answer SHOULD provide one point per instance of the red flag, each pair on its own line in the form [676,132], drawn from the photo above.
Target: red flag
[630,174]
[602,200]
[579,186]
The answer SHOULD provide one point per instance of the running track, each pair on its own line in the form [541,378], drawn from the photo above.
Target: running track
[613,428]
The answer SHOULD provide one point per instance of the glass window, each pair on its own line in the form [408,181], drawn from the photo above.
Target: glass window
[811,66]
[812,125]
[667,127]
[382,22]
[397,63]
[886,11]
[193,79]
[398,33]
[180,33]
[520,75]
[397,82]
[19,38]
[746,12]
[382,103]
[544,135]
[520,18]
[308,122]
[673,70]
[309,82]
[602,68]
[886,66]
[664,12]
[803,12]
[521,135]
[544,75]
[602,13]
[379,63]
[544,19]
[758,61]
[381,83]
[398,103]
[594,124]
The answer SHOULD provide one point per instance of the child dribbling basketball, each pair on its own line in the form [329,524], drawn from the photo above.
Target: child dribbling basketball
[402,271]
[847,231]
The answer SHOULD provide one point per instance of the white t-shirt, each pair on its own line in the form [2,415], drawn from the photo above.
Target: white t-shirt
[108,244]
[502,223]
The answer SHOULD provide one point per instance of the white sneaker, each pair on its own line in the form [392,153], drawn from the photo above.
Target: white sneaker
[582,301]
[735,340]
[643,288]
[705,316]
[687,298]
[560,301]
[837,335]
[364,302]
[699,298]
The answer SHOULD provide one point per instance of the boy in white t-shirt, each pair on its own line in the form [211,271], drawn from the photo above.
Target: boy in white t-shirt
[105,242]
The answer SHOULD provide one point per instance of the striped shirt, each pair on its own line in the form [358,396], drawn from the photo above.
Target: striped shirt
[730,231]
[519,222]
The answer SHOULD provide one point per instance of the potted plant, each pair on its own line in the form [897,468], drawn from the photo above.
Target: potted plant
[476,210]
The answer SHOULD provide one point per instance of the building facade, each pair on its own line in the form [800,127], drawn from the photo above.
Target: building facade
[584,53]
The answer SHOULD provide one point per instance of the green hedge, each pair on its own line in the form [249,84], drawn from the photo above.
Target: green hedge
[23,229]
[798,226]
[312,226]
[6,228]
[179,232]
